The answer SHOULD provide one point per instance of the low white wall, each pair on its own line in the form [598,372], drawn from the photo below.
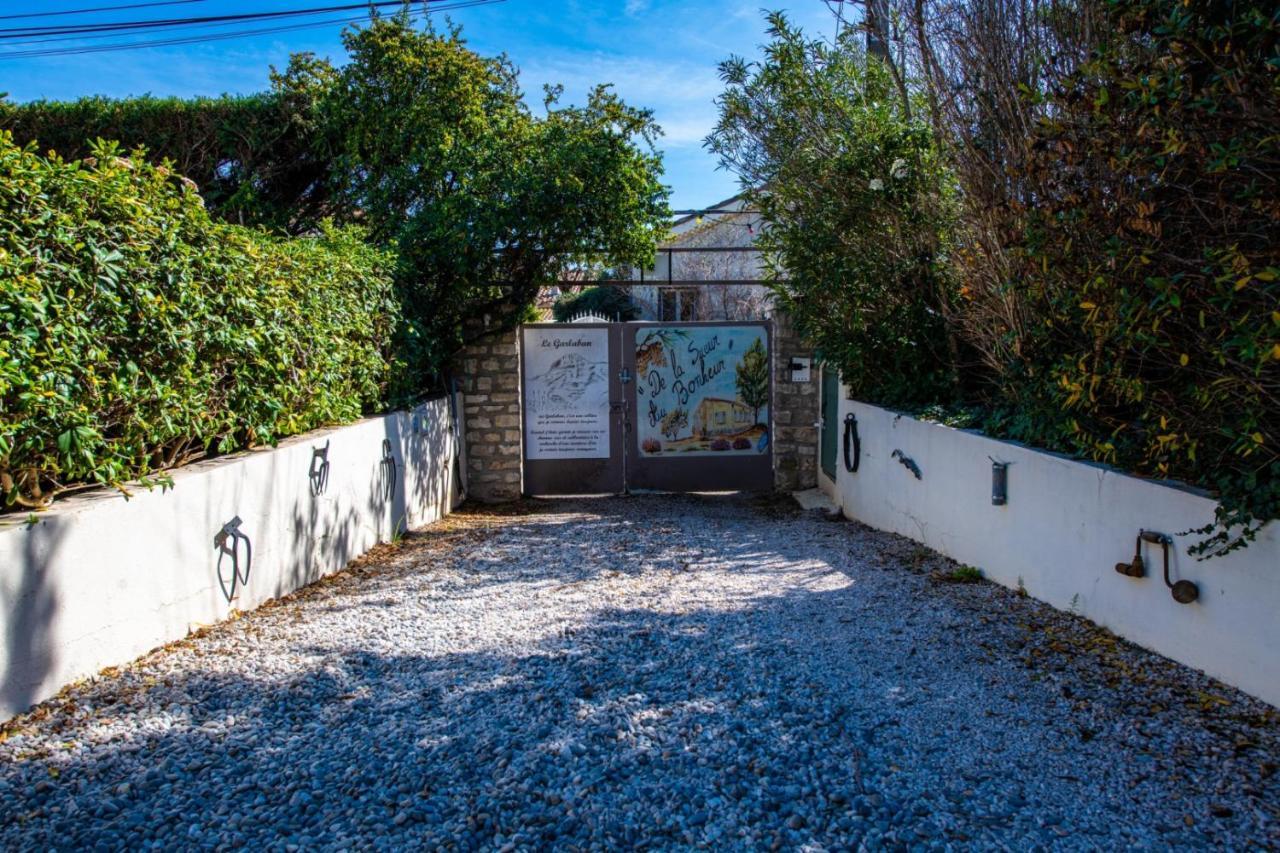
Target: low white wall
[98,580]
[1065,526]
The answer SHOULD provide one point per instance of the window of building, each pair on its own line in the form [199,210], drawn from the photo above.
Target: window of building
[719,418]
[678,304]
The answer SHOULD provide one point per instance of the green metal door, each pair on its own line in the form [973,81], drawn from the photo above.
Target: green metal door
[830,419]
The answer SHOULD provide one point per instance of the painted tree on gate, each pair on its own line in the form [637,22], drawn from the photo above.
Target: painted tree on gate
[753,378]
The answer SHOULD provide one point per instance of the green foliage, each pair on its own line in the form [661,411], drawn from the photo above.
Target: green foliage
[257,159]
[607,301]
[1108,285]
[430,147]
[139,333]
[1150,256]
[752,379]
[484,201]
[856,199]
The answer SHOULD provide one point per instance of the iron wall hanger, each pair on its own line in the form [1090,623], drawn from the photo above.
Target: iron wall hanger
[908,463]
[227,541]
[388,466]
[318,474]
[999,482]
[1183,591]
[851,437]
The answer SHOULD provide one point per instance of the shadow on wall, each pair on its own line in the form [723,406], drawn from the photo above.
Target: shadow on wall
[637,710]
[28,595]
[394,494]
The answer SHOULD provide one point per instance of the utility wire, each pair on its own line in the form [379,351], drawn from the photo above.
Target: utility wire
[452,4]
[98,9]
[164,23]
[211,37]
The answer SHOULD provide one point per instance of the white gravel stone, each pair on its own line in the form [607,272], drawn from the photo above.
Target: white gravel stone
[650,671]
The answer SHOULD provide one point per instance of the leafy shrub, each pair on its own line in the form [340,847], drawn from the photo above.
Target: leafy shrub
[258,159]
[651,445]
[607,301]
[720,444]
[1151,255]
[741,443]
[1108,284]
[139,333]
[857,199]
[411,136]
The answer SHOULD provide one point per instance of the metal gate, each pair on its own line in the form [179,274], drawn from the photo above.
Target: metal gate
[667,406]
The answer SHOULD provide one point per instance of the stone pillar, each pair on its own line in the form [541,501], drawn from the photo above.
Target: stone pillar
[489,378]
[795,412]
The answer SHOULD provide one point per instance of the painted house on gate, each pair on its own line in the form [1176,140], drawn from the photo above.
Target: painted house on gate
[721,416]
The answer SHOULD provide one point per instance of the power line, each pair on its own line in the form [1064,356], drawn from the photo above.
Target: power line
[98,9]
[211,37]
[165,23]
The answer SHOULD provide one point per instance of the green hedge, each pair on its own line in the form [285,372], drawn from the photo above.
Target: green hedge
[139,333]
[256,158]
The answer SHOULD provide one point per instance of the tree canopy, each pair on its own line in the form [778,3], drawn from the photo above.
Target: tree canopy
[431,148]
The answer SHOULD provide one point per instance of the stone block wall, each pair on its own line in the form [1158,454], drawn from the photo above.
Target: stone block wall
[795,412]
[489,379]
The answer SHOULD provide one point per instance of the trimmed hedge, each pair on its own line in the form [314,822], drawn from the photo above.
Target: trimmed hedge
[139,333]
[256,158]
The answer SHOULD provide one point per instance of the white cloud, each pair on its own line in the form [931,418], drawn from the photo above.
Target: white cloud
[635,7]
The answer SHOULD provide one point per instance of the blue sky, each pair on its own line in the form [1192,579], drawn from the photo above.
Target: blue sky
[658,53]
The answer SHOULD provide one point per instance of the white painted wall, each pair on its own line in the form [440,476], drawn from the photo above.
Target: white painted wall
[99,580]
[1063,530]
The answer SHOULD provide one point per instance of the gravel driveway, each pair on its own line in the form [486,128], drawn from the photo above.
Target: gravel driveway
[648,671]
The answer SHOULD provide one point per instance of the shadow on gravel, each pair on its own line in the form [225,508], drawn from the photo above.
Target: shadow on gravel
[815,715]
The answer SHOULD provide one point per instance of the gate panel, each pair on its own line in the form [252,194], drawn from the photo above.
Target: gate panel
[830,419]
[573,409]
[700,406]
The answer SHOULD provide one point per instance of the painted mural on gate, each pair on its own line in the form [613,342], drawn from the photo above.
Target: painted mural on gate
[702,390]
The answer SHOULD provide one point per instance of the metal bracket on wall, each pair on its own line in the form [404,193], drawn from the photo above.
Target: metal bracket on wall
[908,463]
[851,437]
[388,466]
[1183,592]
[999,482]
[318,474]
[227,541]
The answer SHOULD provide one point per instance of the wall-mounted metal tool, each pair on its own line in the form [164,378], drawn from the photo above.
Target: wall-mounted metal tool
[852,444]
[1184,591]
[908,463]
[227,541]
[388,466]
[318,474]
[999,482]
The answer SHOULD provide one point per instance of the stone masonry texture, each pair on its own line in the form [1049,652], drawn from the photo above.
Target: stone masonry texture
[489,378]
[795,412]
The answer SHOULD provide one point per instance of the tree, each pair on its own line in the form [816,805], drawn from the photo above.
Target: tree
[441,158]
[857,206]
[428,146]
[752,378]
